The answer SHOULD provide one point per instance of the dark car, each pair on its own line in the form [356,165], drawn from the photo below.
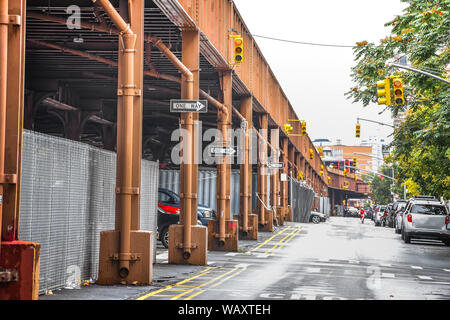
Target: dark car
[317,217]
[165,219]
[169,201]
[169,213]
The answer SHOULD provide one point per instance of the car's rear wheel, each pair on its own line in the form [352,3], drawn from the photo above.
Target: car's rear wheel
[164,237]
[447,243]
[315,219]
[406,238]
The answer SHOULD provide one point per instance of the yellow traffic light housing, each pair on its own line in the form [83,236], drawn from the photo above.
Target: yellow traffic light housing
[320,149]
[354,162]
[321,170]
[288,128]
[303,128]
[399,98]
[238,49]
[311,154]
[329,179]
[358,130]
[384,92]
[300,175]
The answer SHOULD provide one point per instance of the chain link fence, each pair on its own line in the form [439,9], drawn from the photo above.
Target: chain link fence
[67,198]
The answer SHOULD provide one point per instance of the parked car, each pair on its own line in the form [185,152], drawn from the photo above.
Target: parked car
[397,208]
[351,212]
[379,215]
[426,217]
[317,217]
[165,219]
[169,201]
[388,217]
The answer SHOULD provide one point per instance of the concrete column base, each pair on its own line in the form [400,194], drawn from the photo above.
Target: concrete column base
[199,248]
[140,271]
[21,259]
[289,215]
[231,238]
[279,215]
[268,221]
[252,233]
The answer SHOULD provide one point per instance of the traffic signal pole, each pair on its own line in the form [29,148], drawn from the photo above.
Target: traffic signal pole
[420,71]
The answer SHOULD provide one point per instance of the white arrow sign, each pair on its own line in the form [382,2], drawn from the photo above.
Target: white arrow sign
[275,165]
[200,106]
[221,151]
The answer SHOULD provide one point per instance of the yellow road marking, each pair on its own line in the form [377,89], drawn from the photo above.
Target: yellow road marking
[280,232]
[206,271]
[286,239]
[195,294]
[219,282]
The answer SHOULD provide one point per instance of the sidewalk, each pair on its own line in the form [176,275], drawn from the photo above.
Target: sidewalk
[163,274]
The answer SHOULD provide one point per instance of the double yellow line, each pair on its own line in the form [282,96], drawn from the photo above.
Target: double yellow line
[286,239]
[195,289]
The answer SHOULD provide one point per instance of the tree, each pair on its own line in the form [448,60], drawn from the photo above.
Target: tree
[382,187]
[421,144]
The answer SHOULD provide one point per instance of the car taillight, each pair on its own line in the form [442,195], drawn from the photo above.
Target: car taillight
[447,219]
[409,217]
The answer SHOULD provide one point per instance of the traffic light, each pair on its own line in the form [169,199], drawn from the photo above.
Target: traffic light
[300,175]
[345,172]
[354,162]
[311,154]
[303,128]
[399,99]
[321,170]
[329,179]
[320,149]
[358,130]
[356,177]
[384,92]
[238,45]
[288,128]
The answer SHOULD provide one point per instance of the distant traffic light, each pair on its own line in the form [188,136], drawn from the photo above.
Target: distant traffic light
[399,98]
[384,92]
[311,154]
[358,130]
[303,128]
[321,170]
[320,149]
[238,44]
[300,175]
[329,179]
[354,162]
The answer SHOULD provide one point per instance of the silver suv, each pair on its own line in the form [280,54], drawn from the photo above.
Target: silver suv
[426,218]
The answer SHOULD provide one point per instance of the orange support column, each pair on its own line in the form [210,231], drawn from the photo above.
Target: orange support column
[248,222]
[275,177]
[126,252]
[284,180]
[292,172]
[188,241]
[265,216]
[19,260]
[223,232]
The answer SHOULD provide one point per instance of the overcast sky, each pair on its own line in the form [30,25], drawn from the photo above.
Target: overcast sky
[316,78]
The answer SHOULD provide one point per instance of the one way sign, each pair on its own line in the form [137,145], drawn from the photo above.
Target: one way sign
[217,151]
[200,106]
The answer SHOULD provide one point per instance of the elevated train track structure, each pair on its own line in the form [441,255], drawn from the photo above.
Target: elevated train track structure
[103,72]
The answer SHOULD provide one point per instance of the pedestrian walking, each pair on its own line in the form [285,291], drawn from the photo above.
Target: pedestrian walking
[362,214]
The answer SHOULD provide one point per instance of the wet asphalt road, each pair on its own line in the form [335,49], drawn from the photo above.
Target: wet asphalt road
[340,259]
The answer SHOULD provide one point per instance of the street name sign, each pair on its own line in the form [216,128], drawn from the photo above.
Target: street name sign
[200,106]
